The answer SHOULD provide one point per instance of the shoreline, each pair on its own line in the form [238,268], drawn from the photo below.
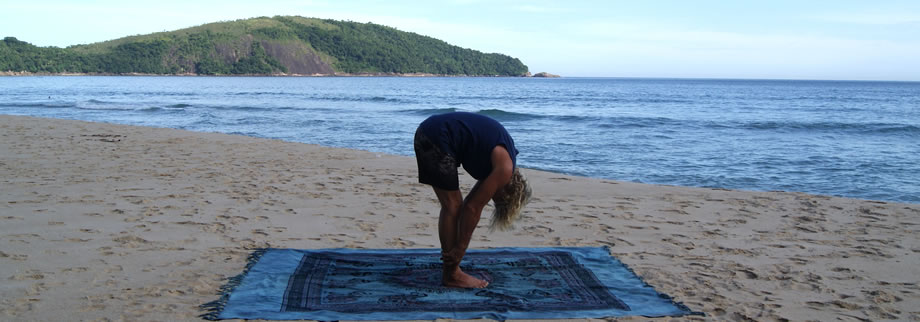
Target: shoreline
[25,74]
[551,171]
[114,221]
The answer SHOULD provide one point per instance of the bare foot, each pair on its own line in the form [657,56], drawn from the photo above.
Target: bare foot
[458,278]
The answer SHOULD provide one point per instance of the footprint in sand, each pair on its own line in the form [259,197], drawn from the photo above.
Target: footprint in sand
[75,269]
[557,241]
[366,226]
[77,240]
[399,242]
[420,226]
[15,257]
[215,227]
[621,240]
[748,274]
[334,237]
[130,241]
[642,227]
[96,303]
[686,245]
[676,211]
[37,289]
[28,275]
[538,229]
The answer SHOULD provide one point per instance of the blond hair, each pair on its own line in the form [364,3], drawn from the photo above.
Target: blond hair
[515,195]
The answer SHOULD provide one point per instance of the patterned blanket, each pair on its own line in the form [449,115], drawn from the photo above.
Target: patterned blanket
[404,284]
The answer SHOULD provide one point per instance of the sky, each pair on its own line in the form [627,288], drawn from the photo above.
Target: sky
[769,39]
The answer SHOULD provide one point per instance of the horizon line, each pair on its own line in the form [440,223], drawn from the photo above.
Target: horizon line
[747,79]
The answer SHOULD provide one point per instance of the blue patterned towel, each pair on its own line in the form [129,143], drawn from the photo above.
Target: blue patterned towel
[404,284]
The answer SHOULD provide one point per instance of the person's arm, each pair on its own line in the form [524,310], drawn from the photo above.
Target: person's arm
[479,196]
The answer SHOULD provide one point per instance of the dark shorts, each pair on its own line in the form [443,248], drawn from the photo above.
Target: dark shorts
[435,167]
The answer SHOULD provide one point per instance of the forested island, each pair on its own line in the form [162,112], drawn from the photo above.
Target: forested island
[280,45]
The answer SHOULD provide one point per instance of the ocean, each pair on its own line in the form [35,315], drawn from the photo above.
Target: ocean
[856,139]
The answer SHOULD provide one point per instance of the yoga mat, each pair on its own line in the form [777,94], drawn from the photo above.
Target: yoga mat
[404,284]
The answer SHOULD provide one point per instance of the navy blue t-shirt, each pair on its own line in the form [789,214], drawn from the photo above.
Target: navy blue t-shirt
[470,138]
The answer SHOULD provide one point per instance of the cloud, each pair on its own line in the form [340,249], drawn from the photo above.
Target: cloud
[537,9]
[689,40]
[871,18]
[41,22]
[572,46]
[466,2]
[636,49]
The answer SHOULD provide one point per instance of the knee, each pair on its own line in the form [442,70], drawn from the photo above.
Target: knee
[450,201]
[450,209]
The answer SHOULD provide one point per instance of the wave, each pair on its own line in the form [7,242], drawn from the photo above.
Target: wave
[581,99]
[243,108]
[654,100]
[373,99]
[498,114]
[503,115]
[638,122]
[836,99]
[257,93]
[769,126]
[429,111]
[600,121]
[862,128]
[381,99]
[576,118]
[96,104]
[93,104]
[322,97]
[166,109]
[250,107]
[40,104]
[246,133]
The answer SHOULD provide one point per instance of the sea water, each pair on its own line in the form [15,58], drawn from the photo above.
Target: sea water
[844,138]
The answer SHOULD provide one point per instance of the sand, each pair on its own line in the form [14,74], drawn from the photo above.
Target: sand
[113,222]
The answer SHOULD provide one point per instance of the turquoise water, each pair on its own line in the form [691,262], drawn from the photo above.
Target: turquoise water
[852,139]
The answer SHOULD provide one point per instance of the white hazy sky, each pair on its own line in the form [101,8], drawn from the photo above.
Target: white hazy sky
[799,39]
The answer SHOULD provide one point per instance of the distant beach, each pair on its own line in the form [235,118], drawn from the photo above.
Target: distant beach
[103,221]
[25,73]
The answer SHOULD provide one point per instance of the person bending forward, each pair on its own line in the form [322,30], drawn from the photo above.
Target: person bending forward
[486,151]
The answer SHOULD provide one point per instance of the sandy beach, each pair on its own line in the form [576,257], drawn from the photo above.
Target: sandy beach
[111,222]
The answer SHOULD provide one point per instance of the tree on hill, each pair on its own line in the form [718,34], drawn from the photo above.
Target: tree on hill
[242,47]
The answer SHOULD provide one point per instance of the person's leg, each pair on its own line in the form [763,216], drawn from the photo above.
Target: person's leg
[450,201]
[448,229]
[479,196]
[439,169]
[464,222]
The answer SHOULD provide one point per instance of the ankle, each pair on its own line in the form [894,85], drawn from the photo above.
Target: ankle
[451,269]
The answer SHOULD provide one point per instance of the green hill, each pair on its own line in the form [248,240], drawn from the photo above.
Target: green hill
[259,46]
